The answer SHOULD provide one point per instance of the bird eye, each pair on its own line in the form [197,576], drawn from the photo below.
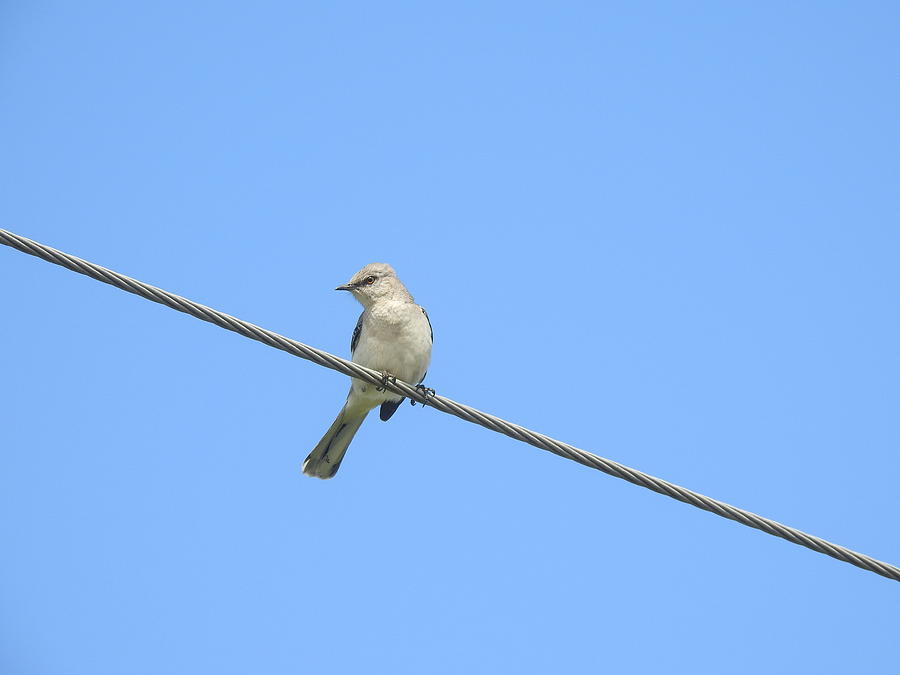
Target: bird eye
[370,280]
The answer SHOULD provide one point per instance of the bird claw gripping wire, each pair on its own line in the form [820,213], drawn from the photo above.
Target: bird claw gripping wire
[425,391]
[385,378]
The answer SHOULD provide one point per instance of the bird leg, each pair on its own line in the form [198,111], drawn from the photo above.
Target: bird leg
[425,391]
[385,378]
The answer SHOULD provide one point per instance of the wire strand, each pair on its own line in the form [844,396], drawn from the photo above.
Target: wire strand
[449,406]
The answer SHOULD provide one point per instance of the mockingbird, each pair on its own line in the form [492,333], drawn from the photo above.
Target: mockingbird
[393,335]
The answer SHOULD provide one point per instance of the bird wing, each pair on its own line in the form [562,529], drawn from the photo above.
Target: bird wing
[354,340]
[429,323]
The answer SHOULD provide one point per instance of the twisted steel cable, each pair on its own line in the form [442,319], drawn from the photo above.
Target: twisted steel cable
[448,406]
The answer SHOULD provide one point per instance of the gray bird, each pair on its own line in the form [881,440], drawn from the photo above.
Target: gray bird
[393,335]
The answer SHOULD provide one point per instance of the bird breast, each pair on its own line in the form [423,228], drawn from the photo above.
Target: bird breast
[395,338]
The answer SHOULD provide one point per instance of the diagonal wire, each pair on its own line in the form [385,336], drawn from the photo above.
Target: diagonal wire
[449,406]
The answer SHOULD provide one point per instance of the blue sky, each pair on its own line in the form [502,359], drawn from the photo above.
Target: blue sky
[664,232]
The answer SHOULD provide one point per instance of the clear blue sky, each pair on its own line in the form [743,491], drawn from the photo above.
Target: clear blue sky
[664,232]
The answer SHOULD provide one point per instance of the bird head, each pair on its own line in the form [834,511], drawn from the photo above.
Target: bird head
[375,281]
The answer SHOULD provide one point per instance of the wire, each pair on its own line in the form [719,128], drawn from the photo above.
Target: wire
[449,406]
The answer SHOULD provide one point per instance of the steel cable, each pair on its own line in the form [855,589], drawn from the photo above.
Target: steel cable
[449,406]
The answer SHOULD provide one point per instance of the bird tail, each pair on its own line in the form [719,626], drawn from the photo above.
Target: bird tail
[325,459]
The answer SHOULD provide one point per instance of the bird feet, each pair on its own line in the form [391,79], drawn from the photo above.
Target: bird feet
[425,391]
[385,378]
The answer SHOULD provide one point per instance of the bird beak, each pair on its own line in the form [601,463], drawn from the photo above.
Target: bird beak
[344,287]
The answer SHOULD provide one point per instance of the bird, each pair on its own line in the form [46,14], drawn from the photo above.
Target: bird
[394,336]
